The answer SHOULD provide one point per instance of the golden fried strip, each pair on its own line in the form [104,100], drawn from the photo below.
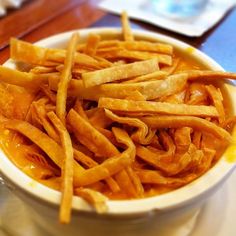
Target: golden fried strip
[208,74]
[67,169]
[149,89]
[100,119]
[92,44]
[42,69]
[142,129]
[90,163]
[156,75]
[32,54]
[170,168]
[135,55]
[155,177]
[197,123]
[65,78]
[107,169]
[23,79]
[133,46]
[147,46]
[127,184]
[48,145]
[90,137]
[121,72]
[135,181]
[126,29]
[217,99]
[96,199]
[148,107]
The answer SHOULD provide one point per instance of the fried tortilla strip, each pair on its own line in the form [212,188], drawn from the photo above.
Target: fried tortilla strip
[32,54]
[148,107]
[135,181]
[107,169]
[48,92]
[67,169]
[155,177]
[42,70]
[23,79]
[133,46]
[156,75]
[126,29]
[90,137]
[121,72]
[147,46]
[92,44]
[90,163]
[48,145]
[65,78]
[208,74]
[149,89]
[94,198]
[125,182]
[197,123]
[217,99]
[142,129]
[182,137]
[79,109]
[100,119]
[135,55]
[171,168]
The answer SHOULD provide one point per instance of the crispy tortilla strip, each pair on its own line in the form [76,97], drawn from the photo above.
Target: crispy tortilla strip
[147,47]
[182,137]
[126,29]
[23,79]
[197,94]
[48,92]
[135,55]
[217,99]
[121,72]
[107,169]
[32,54]
[171,168]
[171,69]
[48,145]
[90,137]
[135,181]
[155,177]
[65,78]
[42,69]
[94,198]
[142,129]
[92,44]
[150,89]
[90,163]
[67,169]
[123,179]
[133,46]
[100,119]
[78,107]
[148,107]
[197,123]
[208,74]
[156,75]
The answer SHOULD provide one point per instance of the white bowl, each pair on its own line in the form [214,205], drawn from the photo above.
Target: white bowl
[184,199]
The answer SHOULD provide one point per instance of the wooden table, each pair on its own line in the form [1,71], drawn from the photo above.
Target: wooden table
[38,19]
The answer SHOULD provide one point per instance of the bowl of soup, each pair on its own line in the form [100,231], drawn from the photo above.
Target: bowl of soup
[149,121]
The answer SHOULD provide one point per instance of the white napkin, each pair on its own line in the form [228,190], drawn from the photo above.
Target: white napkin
[5,4]
[195,26]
